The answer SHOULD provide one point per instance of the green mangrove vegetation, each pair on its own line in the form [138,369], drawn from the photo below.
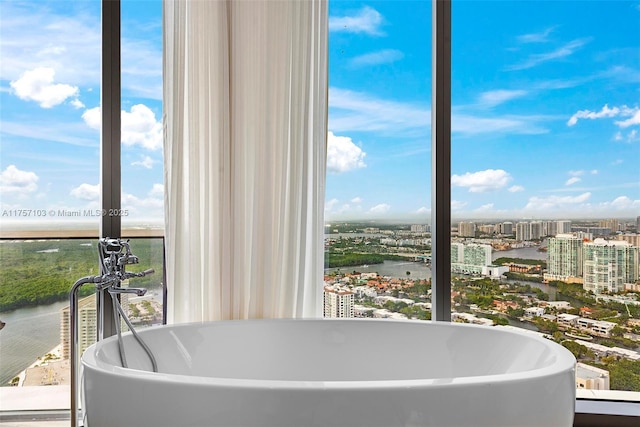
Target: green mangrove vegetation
[335,259]
[35,272]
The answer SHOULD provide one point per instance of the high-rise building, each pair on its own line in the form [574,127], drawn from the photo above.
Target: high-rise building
[487,229]
[470,258]
[338,301]
[634,239]
[507,228]
[583,235]
[523,231]
[420,228]
[562,227]
[549,228]
[609,264]
[466,229]
[612,224]
[536,230]
[638,224]
[564,257]
[87,326]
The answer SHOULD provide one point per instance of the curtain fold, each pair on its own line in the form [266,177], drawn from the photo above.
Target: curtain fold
[245,116]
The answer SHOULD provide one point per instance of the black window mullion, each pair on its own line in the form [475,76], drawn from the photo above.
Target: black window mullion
[441,161]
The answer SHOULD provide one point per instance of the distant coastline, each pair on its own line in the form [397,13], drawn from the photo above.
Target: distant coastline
[6,234]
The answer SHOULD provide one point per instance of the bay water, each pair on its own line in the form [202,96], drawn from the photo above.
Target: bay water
[28,334]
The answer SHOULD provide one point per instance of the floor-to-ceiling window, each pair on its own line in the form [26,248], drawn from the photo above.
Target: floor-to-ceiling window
[142,160]
[545,157]
[379,132]
[50,165]
[544,160]
[48,185]
[378,159]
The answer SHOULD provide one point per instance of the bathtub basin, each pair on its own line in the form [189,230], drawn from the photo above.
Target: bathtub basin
[330,373]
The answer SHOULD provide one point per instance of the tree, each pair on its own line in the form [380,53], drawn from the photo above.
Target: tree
[578,350]
[617,331]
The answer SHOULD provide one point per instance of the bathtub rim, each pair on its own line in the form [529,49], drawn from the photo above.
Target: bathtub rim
[564,362]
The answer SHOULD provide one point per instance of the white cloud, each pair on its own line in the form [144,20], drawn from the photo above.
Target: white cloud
[632,121]
[92,118]
[481,181]
[77,104]
[516,188]
[630,137]
[142,66]
[495,97]
[624,203]
[576,173]
[157,190]
[423,210]
[385,56]
[469,124]
[594,172]
[356,200]
[38,85]
[367,20]
[328,206]
[343,155]
[41,35]
[356,111]
[457,205]
[139,127]
[59,131]
[554,203]
[382,208]
[86,192]
[485,208]
[606,112]
[539,58]
[586,114]
[541,37]
[129,201]
[14,180]
[145,162]
[572,180]
[334,208]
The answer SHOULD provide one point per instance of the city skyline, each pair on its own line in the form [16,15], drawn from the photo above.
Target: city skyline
[544,120]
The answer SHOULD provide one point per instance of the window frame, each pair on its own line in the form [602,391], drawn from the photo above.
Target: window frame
[588,412]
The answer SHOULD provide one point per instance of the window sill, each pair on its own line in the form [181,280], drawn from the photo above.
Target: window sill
[610,408]
[593,407]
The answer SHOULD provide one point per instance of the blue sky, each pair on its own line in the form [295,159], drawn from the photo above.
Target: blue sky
[546,109]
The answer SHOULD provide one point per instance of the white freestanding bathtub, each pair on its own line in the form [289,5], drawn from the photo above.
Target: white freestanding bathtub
[330,373]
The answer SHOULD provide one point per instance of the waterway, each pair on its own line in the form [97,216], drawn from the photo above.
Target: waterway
[29,333]
[526,253]
[399,269]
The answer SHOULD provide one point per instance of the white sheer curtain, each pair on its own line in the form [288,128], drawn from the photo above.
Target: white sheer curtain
[245,104]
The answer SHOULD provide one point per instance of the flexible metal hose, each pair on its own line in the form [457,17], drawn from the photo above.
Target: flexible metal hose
[119,313]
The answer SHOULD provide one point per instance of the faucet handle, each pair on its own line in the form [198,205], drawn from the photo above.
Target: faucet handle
[129,274]
[128,259]
[138,291]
